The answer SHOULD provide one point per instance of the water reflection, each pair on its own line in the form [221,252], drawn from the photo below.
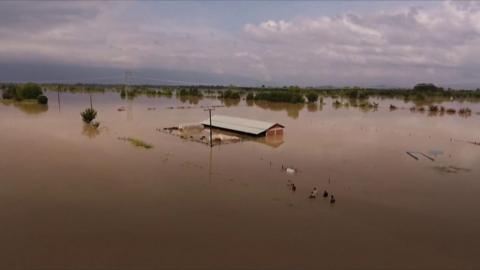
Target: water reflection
[58,100]
[90,131]
[193,100]
[272,140]
[312,107]
[228,102]
[293,110]
[28,107]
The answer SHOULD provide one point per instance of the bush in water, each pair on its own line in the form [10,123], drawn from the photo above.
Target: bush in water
[88,115]
[42,99]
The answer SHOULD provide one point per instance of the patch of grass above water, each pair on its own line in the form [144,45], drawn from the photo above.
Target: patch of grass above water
[137,142]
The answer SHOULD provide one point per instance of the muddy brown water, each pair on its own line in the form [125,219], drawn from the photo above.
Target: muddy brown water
[73,198]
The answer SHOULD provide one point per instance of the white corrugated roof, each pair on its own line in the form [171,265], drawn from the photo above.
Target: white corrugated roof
[239,124]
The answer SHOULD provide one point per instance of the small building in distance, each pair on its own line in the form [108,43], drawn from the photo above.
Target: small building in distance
[244,126]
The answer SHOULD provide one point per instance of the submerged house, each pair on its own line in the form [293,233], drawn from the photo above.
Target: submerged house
[244,126]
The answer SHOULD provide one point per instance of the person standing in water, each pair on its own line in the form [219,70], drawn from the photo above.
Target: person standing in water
[332,199]
[314,193]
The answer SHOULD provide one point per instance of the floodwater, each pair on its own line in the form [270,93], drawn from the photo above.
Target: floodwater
[74,198]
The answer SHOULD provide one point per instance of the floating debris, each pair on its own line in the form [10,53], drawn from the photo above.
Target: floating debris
[121,109]
[222,138]
[412,155]
[450,169]
[465,141]
[136,142]
[170,129]
[290,170]
[451,111]
[190,126]
[465,112]
[430,158]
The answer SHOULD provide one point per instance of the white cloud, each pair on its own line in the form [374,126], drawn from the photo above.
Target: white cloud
[401,47]
[409,45]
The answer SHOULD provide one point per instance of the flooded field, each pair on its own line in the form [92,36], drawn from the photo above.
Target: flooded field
[72,197]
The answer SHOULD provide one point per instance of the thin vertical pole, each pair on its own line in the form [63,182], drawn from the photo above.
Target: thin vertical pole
[210,114]
[91,104]
[210,166]
[58,97]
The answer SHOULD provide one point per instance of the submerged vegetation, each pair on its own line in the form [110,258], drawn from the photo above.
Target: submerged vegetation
[195,92]
[42,99]
[136,142]
[229,94]
[312,96]
[88,115]
[421,95]
[28,91]
[292,95]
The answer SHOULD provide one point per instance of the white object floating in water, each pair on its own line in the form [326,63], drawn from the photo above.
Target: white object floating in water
[290,170]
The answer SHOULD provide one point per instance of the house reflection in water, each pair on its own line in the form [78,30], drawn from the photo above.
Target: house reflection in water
[274,140]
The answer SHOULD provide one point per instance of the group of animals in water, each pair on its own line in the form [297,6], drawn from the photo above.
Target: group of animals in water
[313,193]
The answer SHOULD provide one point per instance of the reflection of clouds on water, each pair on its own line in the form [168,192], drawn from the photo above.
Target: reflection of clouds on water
[28,107]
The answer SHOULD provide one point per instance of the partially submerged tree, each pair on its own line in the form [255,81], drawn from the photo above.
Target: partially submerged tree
[427,87]
[230,94]
[42,99]
[88,115]
[20,92]
[29,91]
[312,96]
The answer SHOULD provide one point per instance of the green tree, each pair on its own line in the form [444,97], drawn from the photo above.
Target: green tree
[42,99]
[29,91]
[427,87]
[312,96]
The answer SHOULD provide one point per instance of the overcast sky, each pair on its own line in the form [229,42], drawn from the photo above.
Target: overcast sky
[274,43]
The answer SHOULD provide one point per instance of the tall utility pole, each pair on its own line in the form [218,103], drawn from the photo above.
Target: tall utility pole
[58,98]
[209,109]
[126,87]
[91,104]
